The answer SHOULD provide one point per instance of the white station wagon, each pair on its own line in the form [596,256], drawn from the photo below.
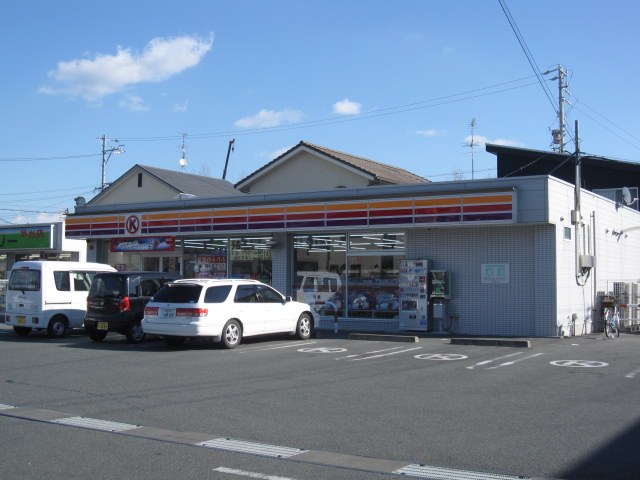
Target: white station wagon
[225,310]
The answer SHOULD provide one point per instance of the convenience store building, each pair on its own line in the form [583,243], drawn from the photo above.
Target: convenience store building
[507,256]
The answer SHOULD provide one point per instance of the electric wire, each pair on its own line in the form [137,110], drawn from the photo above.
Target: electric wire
[527,52]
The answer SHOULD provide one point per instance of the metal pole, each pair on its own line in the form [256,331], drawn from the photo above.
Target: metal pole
[561,74]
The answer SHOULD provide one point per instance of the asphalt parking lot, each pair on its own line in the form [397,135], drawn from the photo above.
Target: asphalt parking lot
[330,407]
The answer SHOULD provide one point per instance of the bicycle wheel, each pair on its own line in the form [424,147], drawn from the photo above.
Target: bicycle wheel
[615,325]
[607,323]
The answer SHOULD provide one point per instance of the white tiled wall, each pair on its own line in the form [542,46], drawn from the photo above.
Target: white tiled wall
[525,306]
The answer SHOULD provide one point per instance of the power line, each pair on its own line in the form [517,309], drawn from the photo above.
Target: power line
[444,100]
[526,51]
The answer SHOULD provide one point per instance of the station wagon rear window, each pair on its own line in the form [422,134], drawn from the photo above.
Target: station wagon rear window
[178,293]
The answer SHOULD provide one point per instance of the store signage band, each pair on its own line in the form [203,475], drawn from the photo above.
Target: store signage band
[26,238]
[496,207]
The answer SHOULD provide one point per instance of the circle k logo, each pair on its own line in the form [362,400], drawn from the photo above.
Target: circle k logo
[132,224]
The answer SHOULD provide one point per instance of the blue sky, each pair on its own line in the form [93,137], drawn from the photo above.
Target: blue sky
[397,81]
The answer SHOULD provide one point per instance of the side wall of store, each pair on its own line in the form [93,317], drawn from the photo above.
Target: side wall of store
[520,303]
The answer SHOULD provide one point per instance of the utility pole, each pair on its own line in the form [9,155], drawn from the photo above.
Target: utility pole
[105,157]
[226,163]
[558,135]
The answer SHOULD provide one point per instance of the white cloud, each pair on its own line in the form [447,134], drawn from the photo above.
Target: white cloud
[183,107]
[93,79]
[347,107]
[270,118]
[479,140]
[39,218]
[134,103]
[431,132]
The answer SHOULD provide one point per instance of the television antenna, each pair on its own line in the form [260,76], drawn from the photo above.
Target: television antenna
[183,159]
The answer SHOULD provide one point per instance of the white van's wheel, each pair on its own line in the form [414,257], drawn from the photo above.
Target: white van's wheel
[57,327]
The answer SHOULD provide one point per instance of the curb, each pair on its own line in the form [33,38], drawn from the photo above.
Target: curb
[492,342]
[386,338]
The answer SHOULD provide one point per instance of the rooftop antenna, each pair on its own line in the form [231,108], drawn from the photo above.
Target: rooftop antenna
[472,144]
[183,160]
[226,163]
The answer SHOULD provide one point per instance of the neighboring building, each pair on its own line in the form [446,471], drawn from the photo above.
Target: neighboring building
[144,183]
[308,167]
[513,256]
[35,241]
[600,175]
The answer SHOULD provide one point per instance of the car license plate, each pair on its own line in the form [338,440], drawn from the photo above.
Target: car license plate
[167,313]
[21,320]
[103,326]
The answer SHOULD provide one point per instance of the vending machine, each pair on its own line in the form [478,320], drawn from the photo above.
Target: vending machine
[414,298]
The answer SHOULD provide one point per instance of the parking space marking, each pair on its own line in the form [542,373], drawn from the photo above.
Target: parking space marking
[243,473]
[322,350]
[632,374]
[485,362]
[579,363]
[277,347]
[506,364]
[368,353]
[399,468]
[440,356]
[385,354]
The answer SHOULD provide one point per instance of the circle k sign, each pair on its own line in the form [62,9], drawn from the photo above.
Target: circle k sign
[132,224]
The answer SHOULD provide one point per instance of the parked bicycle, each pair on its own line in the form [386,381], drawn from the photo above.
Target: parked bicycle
[611,315]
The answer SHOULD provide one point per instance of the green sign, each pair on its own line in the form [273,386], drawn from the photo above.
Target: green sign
[23,238]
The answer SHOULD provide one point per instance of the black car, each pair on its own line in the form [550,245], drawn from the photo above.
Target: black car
[116,302]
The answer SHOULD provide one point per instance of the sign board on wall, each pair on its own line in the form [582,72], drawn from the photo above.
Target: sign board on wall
[25,238]
[495,273]
[143,244]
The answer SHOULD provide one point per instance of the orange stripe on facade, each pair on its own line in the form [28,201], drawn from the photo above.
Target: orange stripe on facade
[230,213]
[203,214]
[347,206]
[487,199]
[95,220]
[305,208]
[161,216]
[75,221]
[266,210]
[436,202]
[391,204]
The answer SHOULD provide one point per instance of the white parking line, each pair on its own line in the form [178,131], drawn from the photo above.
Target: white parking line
[277,347]
[632,374]
[505,364]
[385,354]
[243,473]
[368,353]
[479,364]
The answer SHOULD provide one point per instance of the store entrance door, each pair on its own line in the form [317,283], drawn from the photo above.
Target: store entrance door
[161,263]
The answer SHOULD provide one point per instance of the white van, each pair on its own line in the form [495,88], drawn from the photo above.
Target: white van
[316,288]
[49,295]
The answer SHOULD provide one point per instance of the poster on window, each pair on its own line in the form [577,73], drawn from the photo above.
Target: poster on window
[211,266]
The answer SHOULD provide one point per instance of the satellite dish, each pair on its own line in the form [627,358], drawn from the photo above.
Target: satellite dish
[626,196]
[183,162]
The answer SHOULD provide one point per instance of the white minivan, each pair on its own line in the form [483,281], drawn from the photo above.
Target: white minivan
[49,295]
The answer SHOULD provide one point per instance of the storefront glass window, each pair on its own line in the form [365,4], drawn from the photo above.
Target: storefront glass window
[320,267]
[251,258]
[354,276]
[205,257]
